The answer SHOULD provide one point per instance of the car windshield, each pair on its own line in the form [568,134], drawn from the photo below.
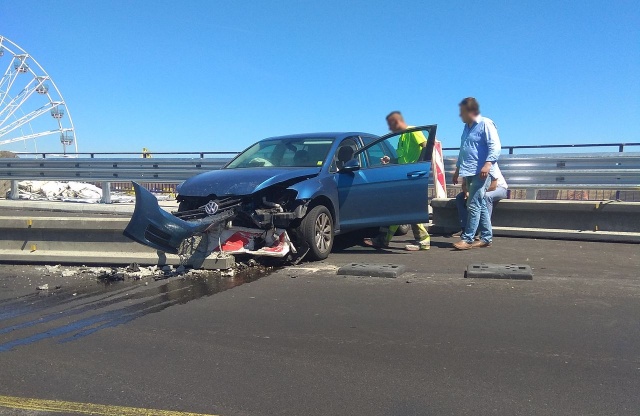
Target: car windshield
[301,152]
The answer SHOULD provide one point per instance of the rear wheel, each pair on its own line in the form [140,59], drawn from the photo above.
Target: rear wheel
[316,230]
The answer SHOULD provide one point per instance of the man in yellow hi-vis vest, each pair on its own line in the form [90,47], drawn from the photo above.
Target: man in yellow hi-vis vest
[410,146]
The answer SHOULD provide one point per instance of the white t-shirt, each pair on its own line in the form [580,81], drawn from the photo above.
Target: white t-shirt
[497,174]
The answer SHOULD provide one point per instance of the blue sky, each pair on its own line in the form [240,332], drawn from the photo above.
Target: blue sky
[218,75]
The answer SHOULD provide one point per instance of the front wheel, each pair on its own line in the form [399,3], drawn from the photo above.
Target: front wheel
[316,230]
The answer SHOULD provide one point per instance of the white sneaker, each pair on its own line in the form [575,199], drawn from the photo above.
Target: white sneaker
[422,245]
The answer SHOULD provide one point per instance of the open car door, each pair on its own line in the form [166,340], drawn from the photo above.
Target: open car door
[380,188]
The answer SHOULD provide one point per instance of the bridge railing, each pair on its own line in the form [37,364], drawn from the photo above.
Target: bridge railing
[545,147]
[621,146]
[614,171]
[105,171]
[575,171]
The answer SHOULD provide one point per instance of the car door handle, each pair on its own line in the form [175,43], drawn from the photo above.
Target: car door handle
[416,174]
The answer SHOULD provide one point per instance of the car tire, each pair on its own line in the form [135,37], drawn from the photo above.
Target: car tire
[403,230]
[316,230]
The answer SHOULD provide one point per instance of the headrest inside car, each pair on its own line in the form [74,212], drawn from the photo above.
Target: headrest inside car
[345,153]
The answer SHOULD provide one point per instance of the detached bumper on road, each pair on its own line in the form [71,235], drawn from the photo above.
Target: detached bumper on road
[154,227]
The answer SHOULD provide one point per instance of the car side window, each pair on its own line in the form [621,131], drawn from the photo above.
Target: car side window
[378,151]
[346,151]
[409,146]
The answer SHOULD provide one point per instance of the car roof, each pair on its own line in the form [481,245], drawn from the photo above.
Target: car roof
[335,135]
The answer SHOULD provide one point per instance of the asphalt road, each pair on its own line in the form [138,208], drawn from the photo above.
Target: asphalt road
[303,341]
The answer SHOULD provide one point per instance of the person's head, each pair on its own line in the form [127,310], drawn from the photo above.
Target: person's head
[301,158]
[469,109]
[395,121]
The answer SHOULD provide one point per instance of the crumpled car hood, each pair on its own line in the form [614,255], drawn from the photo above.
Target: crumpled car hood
[241,181]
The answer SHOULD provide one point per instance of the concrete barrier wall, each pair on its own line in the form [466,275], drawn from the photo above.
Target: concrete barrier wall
[81,240]
[96,240]
[608,220]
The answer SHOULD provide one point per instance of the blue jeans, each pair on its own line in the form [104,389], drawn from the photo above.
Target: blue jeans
[490,196]
[478,218]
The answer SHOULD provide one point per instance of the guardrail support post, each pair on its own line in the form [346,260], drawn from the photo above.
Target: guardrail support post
[106,193]
[14,194]
[532,193]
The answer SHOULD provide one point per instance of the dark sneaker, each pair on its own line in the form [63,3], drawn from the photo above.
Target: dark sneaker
[377,242]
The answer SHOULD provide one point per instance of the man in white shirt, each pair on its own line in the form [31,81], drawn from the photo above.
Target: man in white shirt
[497,190]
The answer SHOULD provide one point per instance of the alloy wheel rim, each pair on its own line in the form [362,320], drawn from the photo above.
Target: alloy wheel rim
[323,232]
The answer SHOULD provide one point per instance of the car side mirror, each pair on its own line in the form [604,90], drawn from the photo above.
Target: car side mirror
[351,166]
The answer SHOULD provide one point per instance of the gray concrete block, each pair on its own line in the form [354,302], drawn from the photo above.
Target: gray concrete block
[218,263]
[499,271]
[372,270]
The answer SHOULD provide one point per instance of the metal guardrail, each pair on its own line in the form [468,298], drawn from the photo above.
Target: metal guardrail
[616,171]
[105,170]
[92,155]
[169,170]
[511,149]
[505,149]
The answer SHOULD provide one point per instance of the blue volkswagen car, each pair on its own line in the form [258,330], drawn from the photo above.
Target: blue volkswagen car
[315,186]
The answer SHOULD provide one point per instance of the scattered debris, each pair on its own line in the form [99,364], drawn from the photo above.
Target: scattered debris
[112,276]
[56,190]
[136,272]
[228,273]
[66,192]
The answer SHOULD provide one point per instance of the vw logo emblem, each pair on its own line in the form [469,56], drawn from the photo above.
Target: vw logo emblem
[211,208]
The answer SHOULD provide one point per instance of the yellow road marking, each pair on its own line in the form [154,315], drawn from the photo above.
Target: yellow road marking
[85,408]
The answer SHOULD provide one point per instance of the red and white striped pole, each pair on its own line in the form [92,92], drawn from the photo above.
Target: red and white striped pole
[437,167]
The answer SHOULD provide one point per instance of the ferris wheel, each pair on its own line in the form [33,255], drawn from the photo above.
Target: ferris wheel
[32,109]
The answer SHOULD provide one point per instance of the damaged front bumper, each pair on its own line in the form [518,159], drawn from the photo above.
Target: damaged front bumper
[266,235]
[154,227]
